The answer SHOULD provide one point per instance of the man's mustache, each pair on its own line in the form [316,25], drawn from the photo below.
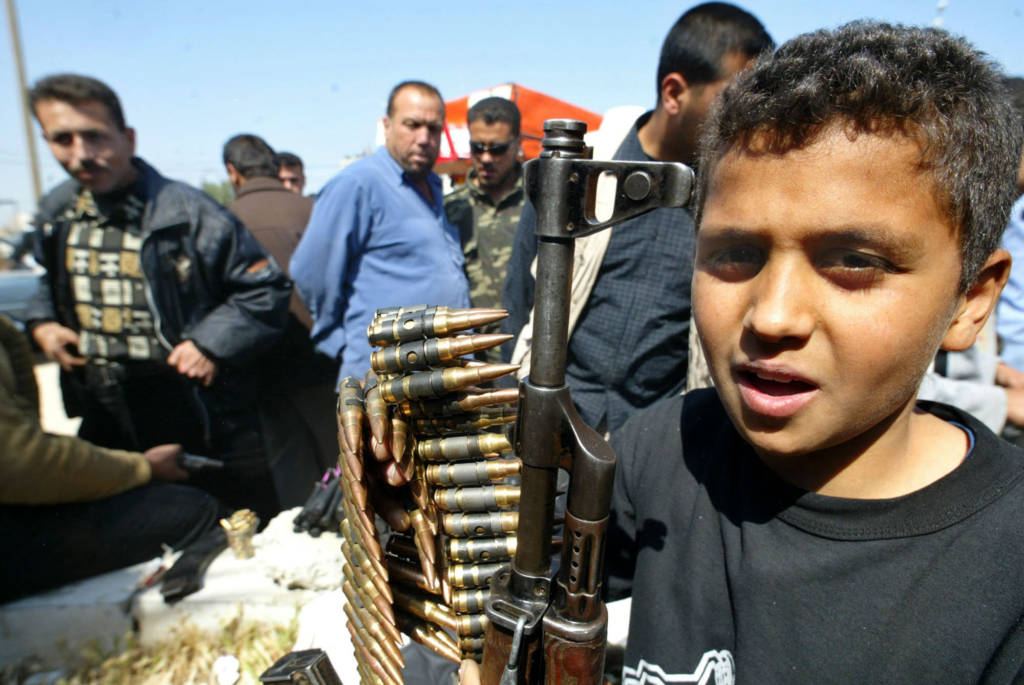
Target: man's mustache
[88,165]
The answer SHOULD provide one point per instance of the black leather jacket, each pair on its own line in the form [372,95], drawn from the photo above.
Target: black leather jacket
[207,278]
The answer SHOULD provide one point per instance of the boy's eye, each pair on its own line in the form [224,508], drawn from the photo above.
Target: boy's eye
[734,262]
[855,269]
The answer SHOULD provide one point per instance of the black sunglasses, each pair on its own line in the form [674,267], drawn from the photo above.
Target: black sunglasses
[496,149]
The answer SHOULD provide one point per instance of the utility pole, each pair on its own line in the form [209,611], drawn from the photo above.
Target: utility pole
[19,67]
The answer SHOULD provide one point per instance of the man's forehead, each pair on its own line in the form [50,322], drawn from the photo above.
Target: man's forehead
[94,110]
[495,128]
[418,103]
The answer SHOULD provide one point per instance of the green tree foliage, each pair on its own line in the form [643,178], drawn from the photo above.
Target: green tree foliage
[222,192]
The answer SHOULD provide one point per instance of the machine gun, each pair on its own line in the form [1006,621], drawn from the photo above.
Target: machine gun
[541,630]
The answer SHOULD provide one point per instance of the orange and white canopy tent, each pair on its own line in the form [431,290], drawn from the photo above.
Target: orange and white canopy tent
[534,107]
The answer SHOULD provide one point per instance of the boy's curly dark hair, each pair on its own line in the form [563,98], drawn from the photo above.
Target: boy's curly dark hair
[875,78]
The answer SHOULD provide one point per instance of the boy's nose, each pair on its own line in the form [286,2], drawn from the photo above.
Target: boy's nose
[780,305]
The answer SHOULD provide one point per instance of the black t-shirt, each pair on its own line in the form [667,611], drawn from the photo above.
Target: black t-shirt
[737,576]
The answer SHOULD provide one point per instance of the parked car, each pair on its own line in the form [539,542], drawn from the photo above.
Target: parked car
[17,286]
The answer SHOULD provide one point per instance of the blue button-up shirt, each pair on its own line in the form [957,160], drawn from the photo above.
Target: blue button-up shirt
[374,241]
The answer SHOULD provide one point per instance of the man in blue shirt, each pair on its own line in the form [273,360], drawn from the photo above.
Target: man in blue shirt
[378,235]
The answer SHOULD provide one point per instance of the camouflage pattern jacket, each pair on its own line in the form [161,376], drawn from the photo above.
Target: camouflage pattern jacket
[487,230]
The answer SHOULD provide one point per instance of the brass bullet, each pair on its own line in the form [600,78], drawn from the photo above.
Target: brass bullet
[394,671]
[470,601]
[350,415]
[429,635]
[401,448]
[377,413]
[485,498]
[357,557]
[369,607]
[359,616]
[481,549]
[368,658]
[426,609]
[420,493]
[486,524]
[471,575]
[420,355]
[355,490]
[365,587]
[414,325]
[462,423]
[472,472]
[351,464]
[437,382]
[460,403]
[471,645]
[471,624]
[410,574]
[352,531]
[363,525]
[423,536]
[462,447]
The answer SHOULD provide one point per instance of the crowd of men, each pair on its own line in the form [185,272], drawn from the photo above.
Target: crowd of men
[178,329]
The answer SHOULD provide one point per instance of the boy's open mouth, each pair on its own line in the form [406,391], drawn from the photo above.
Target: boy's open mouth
[774,386]
[774,393]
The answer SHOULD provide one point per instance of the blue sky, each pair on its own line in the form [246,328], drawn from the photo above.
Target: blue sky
[312,77]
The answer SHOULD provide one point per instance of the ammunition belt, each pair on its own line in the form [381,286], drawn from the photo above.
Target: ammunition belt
[424,396]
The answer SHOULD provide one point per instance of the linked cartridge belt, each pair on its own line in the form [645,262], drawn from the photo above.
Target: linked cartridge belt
[424,407]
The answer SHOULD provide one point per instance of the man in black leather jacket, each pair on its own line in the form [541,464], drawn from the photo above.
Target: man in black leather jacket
[156,301]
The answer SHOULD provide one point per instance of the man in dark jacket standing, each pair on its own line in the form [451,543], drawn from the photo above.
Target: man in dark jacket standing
[155,299]
[297,406]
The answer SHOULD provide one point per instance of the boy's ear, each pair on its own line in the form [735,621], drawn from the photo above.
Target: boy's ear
[977,303]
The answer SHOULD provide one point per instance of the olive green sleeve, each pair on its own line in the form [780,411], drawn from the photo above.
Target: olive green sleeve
[41,468]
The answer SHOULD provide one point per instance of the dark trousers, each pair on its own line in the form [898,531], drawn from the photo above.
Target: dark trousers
[301,437]
[138,405]
[50,545]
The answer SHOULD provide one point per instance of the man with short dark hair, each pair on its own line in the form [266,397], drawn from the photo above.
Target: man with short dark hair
[155,301]
[291,171]
[629,344]
[487,206]
[378,236]
[296,407]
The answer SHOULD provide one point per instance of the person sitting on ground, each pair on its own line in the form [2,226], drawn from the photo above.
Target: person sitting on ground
[71,510]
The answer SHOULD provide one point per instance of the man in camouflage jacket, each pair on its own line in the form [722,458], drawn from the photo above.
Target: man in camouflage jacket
[486,207]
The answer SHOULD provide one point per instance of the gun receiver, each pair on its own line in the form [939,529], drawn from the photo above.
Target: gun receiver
[539,630]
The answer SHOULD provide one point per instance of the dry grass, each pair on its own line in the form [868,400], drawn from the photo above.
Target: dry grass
[187,657]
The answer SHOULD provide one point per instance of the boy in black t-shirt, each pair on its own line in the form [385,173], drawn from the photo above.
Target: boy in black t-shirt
[808,521]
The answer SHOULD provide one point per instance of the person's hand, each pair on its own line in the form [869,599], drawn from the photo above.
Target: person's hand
[163,462]
[1009,377]
[55,341]
[189,361]
[469,673]
[365,438]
